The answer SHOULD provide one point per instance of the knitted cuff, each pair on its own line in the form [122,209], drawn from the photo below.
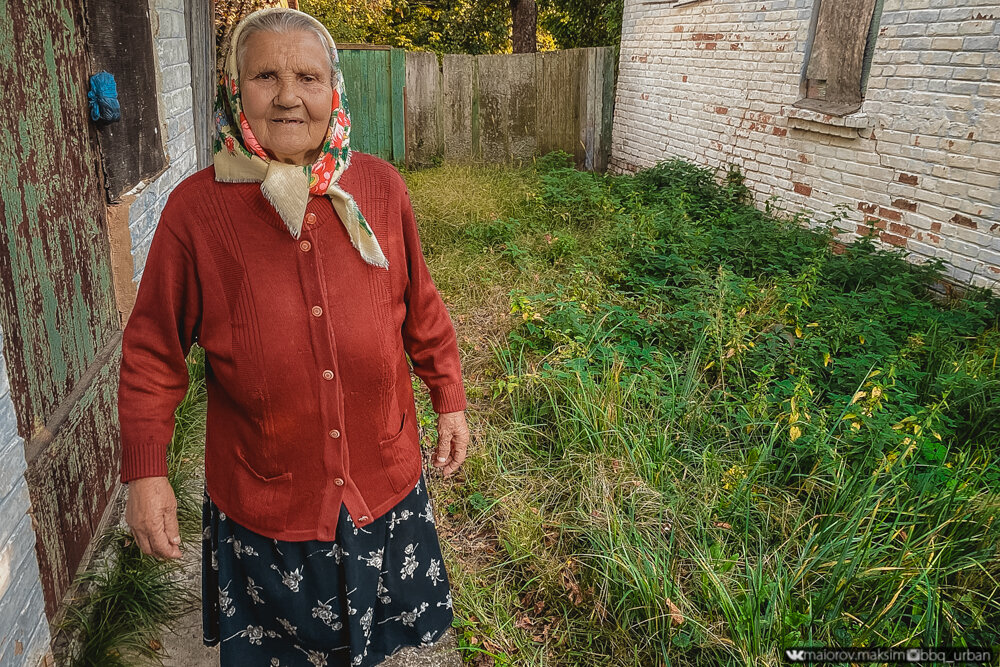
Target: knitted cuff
[449,398]
[143,462]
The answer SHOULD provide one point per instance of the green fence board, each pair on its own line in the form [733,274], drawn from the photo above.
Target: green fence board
[375,100]
[397,82]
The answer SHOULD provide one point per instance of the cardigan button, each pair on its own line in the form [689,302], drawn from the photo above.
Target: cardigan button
[317,311]
[310,218]
[305,246]
[334,433]
[338,482]
[328,375]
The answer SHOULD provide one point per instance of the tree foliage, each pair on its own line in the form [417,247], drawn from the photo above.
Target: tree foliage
[442,26]
[229,12]
[466,26]
[578,23]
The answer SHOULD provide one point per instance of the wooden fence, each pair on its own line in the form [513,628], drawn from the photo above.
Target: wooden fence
[407,107]
[374,77]
[508,108]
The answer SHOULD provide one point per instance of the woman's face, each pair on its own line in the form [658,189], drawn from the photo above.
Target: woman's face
[287,94]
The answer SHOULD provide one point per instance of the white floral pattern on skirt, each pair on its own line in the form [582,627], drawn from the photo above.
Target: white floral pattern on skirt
[351,602]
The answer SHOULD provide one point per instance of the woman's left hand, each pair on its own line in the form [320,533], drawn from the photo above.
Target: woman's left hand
[453,441]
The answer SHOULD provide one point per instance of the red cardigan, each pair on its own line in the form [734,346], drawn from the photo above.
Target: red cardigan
[310,402]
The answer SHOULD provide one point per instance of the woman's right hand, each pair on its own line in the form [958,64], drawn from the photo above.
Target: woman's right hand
[151,513]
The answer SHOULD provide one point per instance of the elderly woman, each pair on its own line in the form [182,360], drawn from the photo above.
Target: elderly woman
[297,266]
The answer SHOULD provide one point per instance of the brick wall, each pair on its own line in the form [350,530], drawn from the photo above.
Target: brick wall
[178,125]
[713,82]
[24,630]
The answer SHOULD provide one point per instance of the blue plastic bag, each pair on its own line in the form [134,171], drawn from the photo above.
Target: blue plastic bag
[103,96]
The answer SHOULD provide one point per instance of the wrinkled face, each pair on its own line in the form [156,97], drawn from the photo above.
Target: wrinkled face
[287,94]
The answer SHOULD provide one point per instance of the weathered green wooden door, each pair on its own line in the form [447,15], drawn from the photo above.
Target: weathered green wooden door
[57,305]
[374,77]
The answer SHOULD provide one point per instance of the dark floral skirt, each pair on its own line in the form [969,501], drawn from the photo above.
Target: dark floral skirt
[354,601]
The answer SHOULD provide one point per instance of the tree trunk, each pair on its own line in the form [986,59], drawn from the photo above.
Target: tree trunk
[525,19]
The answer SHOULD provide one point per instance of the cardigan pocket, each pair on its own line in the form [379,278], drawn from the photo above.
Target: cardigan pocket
[400,454]
[266,499]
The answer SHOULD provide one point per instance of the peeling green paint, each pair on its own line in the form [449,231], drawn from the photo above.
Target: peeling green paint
[65,304]
[52,77]
[6,36]
[81,329]
[70,26]
[25,131]
[50,307]
[11,194]
[59,312]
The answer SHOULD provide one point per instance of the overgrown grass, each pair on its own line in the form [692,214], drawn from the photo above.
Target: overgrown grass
[704,431]
[127,599]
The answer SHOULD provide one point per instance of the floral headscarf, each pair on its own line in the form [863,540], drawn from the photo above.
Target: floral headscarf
[239,158]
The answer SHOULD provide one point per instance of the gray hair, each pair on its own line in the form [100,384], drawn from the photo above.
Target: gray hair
[281,21]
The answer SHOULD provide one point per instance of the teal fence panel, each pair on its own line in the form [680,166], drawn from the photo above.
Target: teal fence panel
[374,77]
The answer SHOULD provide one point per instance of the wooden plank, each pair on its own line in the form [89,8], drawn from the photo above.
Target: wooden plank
[494,101]
[608,108]
[558,110]
[838,49]
[507,112]
[369,109]
[457,94]
[547,103]
[200,33]
[120,41]
[357,46]
[567,128]
[870,43]
[596,106]
[367,86]
[71,481]
[477,131]
[522,105]
[60,312]
[397,110]
[424,109]
[588,114]
[378,103]
[580,71]
[60,308]
[352,67]
[365,105]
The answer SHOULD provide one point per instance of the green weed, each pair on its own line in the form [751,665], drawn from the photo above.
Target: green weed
[704,435]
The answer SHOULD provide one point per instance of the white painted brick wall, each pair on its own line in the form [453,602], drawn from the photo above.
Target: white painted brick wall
[24,630]
[174,82]
[714,81]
